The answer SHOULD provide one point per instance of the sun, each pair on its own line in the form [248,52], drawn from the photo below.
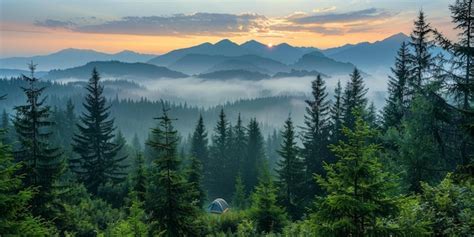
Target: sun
[270,45]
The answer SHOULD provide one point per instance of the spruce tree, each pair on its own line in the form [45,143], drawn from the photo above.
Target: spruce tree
[353,98]
[396,103]
[98,161]
[169,199]
[358,190]
[336,115]
[15,218]
[139,178]
[239,144]
[42,164]
[239,199]
[253,162]
[194,177]
[219,183]
[199,147]
[315,135]
[291,173]
[268,216]
[420,59]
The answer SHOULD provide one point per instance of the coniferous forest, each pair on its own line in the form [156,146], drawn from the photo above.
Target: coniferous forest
[347,169]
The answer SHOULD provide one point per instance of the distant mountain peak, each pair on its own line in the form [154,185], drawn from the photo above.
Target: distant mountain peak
[399,37]
[225,42]
[253,43]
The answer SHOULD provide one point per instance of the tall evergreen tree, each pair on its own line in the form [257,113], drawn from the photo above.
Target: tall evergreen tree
[316,134]
[396,103]
[239,199]
[420,59]
[140,181]
[336,115]
[255,155]
[42,164]
[98,162]
[239,144]
[359,191]
[169,197]
[16,218]
[291,173]
[219,183]
[354,98]
[194,177]
[269,217]
[199,147]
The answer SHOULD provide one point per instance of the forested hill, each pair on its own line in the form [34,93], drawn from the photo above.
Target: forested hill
[270,111]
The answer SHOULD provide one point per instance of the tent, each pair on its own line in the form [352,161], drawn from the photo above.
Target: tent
[218,206]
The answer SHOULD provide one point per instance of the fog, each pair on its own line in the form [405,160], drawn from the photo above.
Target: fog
[199,92]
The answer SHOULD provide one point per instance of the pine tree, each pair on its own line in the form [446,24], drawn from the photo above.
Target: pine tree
[136,145]
[98,161]
[194,176]
[267,215]
[219,183]
[291,173]
[371,116]
[239,144]
[420,59]
[336,115]
[316,134]
[239,199]
[359,191]
[5,125]
[169,198]
[396,104]
[140,178]
[16,219]
[199,147]
[354,98]
[42,164]
[255,155]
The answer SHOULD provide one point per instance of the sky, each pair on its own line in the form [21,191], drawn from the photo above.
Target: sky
[31,27]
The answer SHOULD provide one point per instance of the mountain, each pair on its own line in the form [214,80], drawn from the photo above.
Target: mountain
[67,58]
[369,56]
[116,70]
[6,73]
[317,61]
[298,73]
[283,53]
[223,48]
[200,63]
[234,74]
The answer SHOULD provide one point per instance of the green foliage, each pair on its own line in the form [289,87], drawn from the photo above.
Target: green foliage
[418,151]
[450,207]
[315,135]
[134,225]
[169,197]
[396,103]
[255,157]
[265,212]
[358,190]
[98,161]
[15,217]
[291,173]
[42,164]
[239,200]
[354,98]
[194,176]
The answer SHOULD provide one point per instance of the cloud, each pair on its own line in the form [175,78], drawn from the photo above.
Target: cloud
[50,23]
[361,15]
[179,24]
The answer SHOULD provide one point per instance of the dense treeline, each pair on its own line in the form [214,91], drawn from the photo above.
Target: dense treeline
[347,170]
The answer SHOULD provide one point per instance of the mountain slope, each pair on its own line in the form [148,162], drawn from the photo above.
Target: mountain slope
[316,61]
[234,74]
[369,56]
[116,70]
[67,58]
